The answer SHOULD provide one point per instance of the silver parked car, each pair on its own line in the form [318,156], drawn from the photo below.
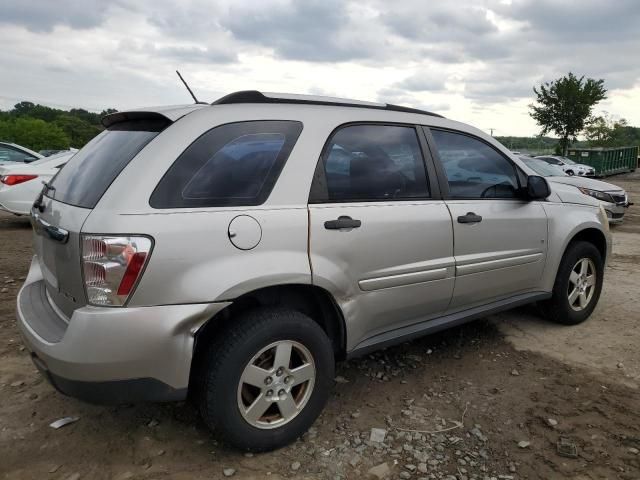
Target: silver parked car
[235,251]
[568,166]
[613,199]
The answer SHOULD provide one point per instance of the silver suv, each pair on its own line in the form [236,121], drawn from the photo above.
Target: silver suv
[235,251]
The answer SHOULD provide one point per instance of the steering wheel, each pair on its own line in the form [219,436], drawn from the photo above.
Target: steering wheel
[486,192]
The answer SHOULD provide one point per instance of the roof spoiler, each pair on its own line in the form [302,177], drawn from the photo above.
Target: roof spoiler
[119,117]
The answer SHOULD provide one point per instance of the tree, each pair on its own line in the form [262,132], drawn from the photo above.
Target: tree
[564,105]
[604,131]
[78,131]
[33,133]
[65,128]
[598,130]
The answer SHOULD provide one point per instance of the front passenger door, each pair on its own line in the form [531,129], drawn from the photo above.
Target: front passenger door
[500,238]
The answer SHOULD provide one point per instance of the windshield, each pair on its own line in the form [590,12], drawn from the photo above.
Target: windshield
[568,161]
[543,168]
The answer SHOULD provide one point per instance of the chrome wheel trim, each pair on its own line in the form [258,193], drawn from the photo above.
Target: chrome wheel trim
[276,384]
[582,284]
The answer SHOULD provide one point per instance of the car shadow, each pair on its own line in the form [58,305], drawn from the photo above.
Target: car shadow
[14,222]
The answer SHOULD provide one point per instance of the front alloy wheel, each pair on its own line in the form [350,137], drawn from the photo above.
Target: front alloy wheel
[582,284]
[578,284]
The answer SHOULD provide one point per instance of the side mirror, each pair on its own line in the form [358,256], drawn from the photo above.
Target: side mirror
[537,188]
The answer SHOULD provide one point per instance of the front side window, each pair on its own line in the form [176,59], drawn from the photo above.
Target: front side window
[231,165]
[372,163]
[473,168]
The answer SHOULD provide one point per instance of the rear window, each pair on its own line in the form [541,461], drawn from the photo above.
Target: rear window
[231,165]
[88,174]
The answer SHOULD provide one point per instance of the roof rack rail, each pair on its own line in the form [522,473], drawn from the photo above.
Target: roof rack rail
[254,96]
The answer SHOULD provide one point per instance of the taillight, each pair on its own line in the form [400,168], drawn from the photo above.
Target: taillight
[16,179]
[112,267]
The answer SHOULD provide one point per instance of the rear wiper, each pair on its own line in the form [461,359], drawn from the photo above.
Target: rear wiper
[38,203]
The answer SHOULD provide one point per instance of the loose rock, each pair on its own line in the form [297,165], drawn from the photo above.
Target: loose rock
[377,435]
[380,471]
[229,472]
[523,444]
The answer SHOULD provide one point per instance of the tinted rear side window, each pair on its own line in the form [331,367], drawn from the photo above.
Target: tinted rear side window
[231,165]
[88,174]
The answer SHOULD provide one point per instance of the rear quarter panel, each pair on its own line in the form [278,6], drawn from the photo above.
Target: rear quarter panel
[193,260]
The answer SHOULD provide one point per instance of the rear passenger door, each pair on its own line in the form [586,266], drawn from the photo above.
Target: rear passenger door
[380,238]
[500,237]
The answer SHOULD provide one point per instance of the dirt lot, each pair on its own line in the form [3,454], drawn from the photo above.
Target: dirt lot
[505,389]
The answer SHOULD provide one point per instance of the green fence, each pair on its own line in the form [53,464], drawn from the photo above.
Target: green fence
[606,161]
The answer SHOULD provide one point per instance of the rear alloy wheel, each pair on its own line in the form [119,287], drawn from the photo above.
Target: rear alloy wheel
[276,384]
[578,285]
[265,378]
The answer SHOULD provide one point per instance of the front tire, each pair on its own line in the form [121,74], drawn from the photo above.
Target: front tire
[266,378]
[578,285]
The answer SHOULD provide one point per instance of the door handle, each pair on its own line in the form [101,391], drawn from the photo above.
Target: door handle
[470,217]
[342,222]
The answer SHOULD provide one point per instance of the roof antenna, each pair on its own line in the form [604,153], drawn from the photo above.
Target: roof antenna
[187,86]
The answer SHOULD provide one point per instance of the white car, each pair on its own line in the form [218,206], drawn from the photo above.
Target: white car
[613,199]
[568,166]
[20,184]
[11,153]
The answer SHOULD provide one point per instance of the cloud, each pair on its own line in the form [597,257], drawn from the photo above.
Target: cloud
[466,57]
[310,30]
[182,53]
[397,96]
[423,81]
[44,15]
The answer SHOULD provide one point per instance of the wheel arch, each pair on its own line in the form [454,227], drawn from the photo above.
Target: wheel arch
[311,300]
[593,236]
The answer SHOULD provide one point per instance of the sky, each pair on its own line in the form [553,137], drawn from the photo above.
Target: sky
[472,61]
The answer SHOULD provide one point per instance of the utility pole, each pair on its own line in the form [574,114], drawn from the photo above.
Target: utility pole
[491,130]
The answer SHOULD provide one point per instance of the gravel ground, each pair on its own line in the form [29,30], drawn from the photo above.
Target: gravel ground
[506,397]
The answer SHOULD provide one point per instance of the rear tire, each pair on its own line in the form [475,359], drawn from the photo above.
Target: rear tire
[578,285]
[265,379]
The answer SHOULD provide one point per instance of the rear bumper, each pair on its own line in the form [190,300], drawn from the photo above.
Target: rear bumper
[12,202]
[112,392]
[4,208]
[111,355]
